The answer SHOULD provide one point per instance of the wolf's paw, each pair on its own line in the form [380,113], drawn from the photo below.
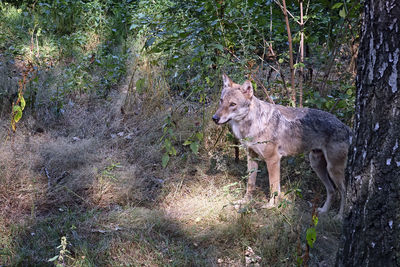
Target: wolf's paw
[322,210]
[241,203]
[271,204]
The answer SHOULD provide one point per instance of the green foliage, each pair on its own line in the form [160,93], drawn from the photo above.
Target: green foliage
[63,254]
[340,102]
[91,35]
[108,171]
[194,142]
[167,139]
[311,234]
[140,85]
[17,110]
[197,40]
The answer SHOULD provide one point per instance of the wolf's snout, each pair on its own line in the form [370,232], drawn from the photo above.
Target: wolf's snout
[215,118]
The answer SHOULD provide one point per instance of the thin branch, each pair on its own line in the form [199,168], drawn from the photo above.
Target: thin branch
[284,7]
[279,70]
[265,90]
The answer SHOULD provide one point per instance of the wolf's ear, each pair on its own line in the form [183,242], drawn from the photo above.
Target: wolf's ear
[247,89]
[227,81]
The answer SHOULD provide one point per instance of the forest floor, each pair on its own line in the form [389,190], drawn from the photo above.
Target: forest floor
[94,175]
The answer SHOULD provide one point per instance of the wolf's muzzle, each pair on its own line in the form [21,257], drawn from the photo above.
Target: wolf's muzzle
[215,118]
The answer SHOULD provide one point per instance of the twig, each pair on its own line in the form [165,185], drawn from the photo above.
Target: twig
[236,142]
[62,176]
[282,7]
[48,176]
[265,90]
[280,70]
[219,136]
[75,194]
[232,54]
[57,180]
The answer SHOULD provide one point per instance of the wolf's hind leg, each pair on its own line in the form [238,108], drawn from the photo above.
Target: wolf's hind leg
[336,164]
[319,165]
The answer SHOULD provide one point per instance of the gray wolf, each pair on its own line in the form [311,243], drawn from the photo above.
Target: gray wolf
[272,131]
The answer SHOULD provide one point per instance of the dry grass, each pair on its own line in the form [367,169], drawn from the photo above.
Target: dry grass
[118,207]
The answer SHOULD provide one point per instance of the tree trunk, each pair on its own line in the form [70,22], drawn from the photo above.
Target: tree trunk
[301,72]
[291,65]
[371,229]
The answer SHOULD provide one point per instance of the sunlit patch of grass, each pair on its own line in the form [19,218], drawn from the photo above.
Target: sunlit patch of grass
[198,203]
[93,40]
[147,237]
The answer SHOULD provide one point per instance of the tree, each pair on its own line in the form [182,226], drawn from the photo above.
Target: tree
[371,229]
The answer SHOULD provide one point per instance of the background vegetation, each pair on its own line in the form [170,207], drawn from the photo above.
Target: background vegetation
[113,147]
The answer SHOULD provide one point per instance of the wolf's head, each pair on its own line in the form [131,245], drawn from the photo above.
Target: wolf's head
[235,100]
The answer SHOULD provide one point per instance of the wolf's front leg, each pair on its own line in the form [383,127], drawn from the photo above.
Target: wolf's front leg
[252,167]
[273,166]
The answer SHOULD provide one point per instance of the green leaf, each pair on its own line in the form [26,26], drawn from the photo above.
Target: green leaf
[149,42]
[165,160]
[194,147]
[254,86]
[17,113]
[315,220]
[140,85]
[299,261]
[329,104]
[187,142]
[167,144]
[218,46]
[53,259]
[341,104]
[337,5]
[133,26]
[298,192]
[13,125]
[22,101]
[172,151]
[199,136]
[349,91]
[342,13]
[299,65]
[311,236]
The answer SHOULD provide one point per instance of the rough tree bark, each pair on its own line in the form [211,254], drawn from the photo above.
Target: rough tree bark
[371,229]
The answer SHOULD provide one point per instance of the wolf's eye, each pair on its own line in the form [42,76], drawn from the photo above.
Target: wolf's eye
[232,104]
